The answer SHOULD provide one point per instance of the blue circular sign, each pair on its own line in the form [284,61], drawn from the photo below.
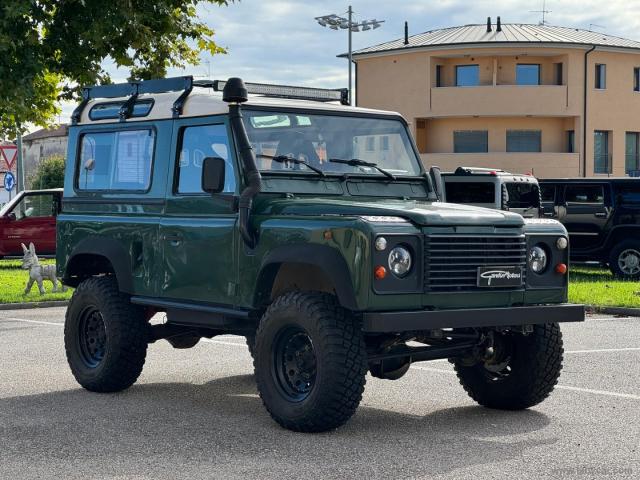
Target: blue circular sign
[9,181]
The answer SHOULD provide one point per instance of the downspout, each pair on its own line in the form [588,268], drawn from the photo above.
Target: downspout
[235,93]
[584,114]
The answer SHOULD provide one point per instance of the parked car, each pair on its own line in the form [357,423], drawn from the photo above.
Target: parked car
[602,216]
[310,228]
[30,217]
[493,188]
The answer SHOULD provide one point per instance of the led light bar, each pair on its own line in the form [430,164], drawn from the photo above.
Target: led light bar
[285,91]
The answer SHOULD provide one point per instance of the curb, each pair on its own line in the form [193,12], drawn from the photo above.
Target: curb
[624,311]
[29,305]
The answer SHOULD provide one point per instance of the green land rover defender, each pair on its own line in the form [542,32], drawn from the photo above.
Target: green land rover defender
[307,226]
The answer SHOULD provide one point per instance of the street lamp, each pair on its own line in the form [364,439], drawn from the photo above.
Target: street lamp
[335,22]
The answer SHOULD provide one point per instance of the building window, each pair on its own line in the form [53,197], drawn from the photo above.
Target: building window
[601,160]
[384,143]
[470,141]
[636,79]
[467,75]
[370,144]
[571,141]
[527,74]
[524,141]
[601,76]
[631,151]
[558,73]
[438,75]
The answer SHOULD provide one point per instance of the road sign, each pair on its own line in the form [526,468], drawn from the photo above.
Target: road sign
[9,153]
[9,181]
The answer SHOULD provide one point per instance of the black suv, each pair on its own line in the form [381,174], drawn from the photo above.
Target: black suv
[602,216]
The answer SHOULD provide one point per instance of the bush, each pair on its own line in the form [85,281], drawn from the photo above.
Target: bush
[49,174]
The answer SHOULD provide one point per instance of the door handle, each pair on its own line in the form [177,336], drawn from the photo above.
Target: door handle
[174,239]
[548,214]
[600,214]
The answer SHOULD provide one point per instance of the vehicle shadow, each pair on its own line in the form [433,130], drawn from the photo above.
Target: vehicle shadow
[220,429]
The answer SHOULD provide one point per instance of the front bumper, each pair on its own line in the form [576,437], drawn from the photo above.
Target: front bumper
[394,322]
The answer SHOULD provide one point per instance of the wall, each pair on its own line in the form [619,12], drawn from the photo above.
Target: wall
[36,150]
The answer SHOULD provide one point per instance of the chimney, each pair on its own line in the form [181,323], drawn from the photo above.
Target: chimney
[406,33]
[498,25]
[488,24]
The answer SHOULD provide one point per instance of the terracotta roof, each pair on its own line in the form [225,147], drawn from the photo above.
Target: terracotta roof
[511,33]
[60,131]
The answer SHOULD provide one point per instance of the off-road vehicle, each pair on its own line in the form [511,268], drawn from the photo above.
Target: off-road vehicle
[601,216]
[493,188]
[309,227]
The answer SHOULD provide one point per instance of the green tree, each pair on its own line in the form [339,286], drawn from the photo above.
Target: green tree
[48,48]
[49,174]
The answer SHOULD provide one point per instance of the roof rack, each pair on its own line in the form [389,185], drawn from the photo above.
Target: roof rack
[185,84]
[477,170]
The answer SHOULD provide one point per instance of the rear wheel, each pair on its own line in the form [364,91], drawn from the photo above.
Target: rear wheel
[105,336]
[624,260]
[520,373]
[310,362]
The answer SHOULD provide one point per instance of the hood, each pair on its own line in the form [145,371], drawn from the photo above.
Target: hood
[420,212]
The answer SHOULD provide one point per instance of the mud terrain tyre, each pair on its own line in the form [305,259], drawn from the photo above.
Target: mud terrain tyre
[310,362]
[251,344]
[522,374]
[624,260]
[105,336]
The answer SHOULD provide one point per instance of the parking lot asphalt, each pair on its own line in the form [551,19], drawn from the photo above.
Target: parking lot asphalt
[195,414]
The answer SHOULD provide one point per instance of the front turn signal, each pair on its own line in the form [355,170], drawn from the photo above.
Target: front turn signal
[561,268]
[380,272]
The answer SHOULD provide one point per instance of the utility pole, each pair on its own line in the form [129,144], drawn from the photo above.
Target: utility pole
[334,22]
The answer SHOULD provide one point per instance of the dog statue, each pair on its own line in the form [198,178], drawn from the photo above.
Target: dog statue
[38,273]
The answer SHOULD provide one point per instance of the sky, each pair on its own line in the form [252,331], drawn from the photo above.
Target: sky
[279,41]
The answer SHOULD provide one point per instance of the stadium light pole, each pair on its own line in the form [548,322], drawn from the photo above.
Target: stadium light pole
[336,22]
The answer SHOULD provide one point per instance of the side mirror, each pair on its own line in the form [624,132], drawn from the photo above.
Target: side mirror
[436,179]
[11,217]
[213,174]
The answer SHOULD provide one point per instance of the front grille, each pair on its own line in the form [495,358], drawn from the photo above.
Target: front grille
[451,261]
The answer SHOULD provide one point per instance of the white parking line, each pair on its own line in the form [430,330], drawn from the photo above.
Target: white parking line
[12,319]
[606,350]
[222,342]
[599,392]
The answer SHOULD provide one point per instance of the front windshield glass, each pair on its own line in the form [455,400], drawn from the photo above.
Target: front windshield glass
[316,139]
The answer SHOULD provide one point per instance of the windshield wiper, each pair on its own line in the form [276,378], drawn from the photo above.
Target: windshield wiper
[297,161]
[356,162]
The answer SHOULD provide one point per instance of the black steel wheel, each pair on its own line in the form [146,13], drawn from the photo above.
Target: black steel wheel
[294,363]
[520,371]
[624,260]
[105,336]
[310,362]
[91,337]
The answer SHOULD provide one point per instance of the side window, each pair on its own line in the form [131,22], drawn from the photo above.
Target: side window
[34,206]
[470,192]
[548,193]
[198,143]
[590,194]
[118,160]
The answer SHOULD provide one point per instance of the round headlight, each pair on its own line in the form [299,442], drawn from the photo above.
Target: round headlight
[537,259]
[400,261]
[562,243]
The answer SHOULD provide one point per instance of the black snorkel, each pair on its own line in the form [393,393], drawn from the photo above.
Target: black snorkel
[235,93]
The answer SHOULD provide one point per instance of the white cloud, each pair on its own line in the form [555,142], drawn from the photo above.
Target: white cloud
[279,41]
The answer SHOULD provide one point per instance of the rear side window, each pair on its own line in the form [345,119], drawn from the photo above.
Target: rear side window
[478,192]
[522,195]
[628,194]
[584,194]
[118,160]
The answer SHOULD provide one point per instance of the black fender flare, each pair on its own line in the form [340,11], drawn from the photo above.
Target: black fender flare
[110,249]
[609,242]
[327,259]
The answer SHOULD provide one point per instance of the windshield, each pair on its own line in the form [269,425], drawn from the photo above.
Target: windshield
[523,195]
[320,139]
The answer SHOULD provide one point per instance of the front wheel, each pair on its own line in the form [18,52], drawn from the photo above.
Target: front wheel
[520,373]
[624,260]
[105,336]
[310,362]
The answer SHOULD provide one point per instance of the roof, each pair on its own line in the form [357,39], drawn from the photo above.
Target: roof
[204,102]
[512,33]
[60,131]
[590,179]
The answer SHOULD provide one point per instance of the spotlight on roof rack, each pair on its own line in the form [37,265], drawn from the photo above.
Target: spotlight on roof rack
[282,91]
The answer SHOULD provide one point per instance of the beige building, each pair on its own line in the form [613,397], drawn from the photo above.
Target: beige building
[41,144]
[555,101]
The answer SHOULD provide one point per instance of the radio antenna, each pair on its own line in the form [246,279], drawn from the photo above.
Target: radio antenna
[544,11]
